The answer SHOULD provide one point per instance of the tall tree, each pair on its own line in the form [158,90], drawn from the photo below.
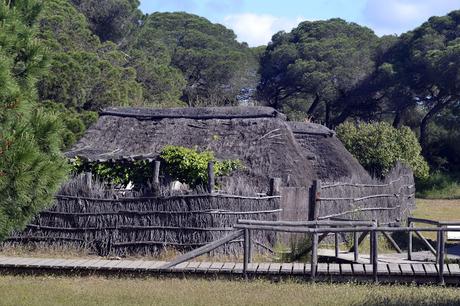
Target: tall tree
[314,68]
[425,68]
[111,20]
[207,54]
[31,166]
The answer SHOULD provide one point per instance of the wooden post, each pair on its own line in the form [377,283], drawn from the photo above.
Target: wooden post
[156,178]
[250,249]
[441,250]
[246,251]
[314,200]
[374,248]
[355,246]
[409,243]
[89,179]
[438,244]
[275,186]
[336,240]
[211,177]
[314,256]
[156,172]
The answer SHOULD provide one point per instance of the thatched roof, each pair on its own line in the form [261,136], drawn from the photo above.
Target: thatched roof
[258,136]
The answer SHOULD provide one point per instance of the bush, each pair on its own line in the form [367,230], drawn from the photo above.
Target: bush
[378,146]
[191,167]
[439,185]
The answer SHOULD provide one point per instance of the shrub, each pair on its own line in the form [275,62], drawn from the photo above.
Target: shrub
[190,166]
[378,146]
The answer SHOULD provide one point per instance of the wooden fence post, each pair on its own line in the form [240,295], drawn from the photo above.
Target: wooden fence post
[336,242]
[246,251]
[355,246]
[409,243]
[374,247]
[441,250]
[438,244]
[314,200]
[89,179]
[156,178]
[211,177]
[314,256]
[275,186]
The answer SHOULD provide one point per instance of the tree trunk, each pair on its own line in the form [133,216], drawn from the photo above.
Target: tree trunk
[314,105]
[328,115]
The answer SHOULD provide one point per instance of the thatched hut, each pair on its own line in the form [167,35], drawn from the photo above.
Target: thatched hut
[260,137]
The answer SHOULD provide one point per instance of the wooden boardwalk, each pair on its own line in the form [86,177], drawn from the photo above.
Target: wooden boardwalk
[417,272]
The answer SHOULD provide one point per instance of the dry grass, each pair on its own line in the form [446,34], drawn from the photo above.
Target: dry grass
[101,291]
[439,210]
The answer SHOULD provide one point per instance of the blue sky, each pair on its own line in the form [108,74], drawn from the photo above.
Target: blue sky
[255,21]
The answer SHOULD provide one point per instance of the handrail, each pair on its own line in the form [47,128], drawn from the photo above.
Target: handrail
[314,228]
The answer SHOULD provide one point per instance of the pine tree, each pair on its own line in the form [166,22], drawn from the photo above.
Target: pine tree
[31,165]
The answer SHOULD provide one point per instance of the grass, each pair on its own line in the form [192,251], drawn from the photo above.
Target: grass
[117,291]
[439,186]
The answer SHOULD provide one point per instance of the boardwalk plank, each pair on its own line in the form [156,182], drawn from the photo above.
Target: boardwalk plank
[358,269]
[430,269]
[156,265]
[180,267]
[394,269]
[345,269]
[263,268]
[446,270]
[216,266]
[298,268]
[382,269]
[406,269]
[192,265]
[334,269]
[228,267]
[203,267]
[286,268]
[252,267]
[274,268]
[454,269]
[238,269]
[323,268]
[418,269]
[368,269]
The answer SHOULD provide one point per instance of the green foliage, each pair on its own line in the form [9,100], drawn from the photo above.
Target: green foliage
[207,55]
[31,165]
[110,19]
[378,146]
[313,68]
[190,166]
[118,173]
[84,73]
[439,185]
[74,123]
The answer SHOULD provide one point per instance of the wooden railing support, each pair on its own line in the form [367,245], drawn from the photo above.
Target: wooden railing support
[246,251]
[374,248]
[355,246]
[442,235]
[336,240]
[211,177]
[314,256]
[409,242]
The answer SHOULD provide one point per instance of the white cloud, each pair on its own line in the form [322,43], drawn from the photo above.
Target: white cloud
[258,29]
[396,16]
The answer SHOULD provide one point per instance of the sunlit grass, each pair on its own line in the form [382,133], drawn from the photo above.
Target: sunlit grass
[101,291]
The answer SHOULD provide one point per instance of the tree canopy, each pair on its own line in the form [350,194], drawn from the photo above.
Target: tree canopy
[314,68]
[31,165]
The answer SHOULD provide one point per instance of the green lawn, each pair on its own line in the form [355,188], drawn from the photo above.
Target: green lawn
[101,291]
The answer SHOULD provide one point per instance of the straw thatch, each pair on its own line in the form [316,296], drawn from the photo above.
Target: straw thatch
[260,137]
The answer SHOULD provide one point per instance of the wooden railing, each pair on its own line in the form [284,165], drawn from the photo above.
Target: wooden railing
[320,228]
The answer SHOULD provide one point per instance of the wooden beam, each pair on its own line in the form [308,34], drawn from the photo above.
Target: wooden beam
[203,250]
[392,241]
[211,177]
